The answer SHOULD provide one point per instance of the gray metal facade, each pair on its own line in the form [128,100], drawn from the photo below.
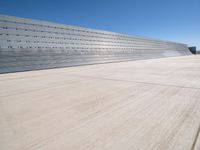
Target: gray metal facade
[27,44]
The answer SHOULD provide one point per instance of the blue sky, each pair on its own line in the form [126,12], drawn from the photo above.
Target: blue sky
[175,20]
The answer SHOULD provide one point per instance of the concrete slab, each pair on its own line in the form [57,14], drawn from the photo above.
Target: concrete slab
[147,104]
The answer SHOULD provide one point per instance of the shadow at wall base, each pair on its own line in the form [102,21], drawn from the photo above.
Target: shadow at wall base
[193,49]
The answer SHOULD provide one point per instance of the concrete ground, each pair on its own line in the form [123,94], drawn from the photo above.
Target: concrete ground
[136,105]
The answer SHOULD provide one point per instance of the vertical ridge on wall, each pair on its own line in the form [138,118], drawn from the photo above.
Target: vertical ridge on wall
[27,44]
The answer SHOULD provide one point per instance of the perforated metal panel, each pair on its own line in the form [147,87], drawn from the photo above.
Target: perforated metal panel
[27,44]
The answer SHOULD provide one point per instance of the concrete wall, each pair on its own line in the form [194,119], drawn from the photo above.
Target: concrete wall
[27,44]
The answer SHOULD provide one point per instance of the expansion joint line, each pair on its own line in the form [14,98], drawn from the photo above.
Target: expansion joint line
[196,138]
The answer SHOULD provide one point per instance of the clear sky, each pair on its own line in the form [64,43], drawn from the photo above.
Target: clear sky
[175,20]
